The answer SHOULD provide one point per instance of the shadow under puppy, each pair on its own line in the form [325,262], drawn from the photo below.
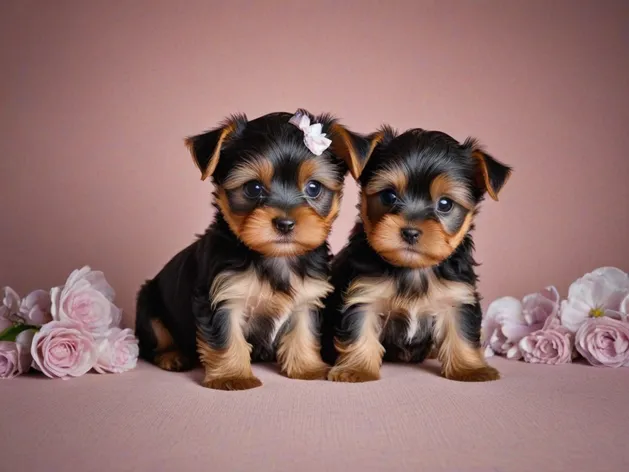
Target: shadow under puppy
[405,283]
[250,288]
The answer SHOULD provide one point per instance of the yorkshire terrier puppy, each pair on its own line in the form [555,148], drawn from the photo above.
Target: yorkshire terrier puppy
[251,287]
[405,283]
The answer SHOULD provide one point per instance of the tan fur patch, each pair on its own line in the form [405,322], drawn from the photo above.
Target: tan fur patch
[245,295]
[393,177]
[343,146]
[256,230]
[234,221]
[172,361]
[233,362]
[455,240]
[360,361]
[434,246]
[380,296]
[311,229]
[460,361]
[484,175]
[298,351]
[444,186]
[213,162]
[162,335]
[256,169]
[319,170]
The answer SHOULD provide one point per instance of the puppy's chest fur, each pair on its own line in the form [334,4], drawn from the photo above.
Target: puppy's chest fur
[265,299]
[411,307]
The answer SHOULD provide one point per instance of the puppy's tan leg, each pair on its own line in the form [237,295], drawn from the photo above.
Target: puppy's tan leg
[459,358]
[229,367]
[359,359]
[299,351]
[167,356]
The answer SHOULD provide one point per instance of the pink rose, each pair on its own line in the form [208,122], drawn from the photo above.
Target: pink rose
[35,308]
[62,349]
[554,345]
[86,298]
[117,352]
[508,320]
[14,359]
[596,294]
[604,341]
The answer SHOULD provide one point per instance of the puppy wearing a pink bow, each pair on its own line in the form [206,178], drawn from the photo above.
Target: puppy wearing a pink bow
[251,287]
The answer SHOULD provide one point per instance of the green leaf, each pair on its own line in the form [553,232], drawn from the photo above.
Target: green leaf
[11,333]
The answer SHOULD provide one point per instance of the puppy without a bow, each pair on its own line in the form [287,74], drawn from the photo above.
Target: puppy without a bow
[405,283]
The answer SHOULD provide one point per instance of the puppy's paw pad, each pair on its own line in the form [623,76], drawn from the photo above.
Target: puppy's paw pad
[172,361]
[483,374]
[352,376]
[319,373]
[233,383]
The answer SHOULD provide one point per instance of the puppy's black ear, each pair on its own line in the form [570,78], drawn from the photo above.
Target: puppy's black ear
[354,149]
[492,174]
[206,147]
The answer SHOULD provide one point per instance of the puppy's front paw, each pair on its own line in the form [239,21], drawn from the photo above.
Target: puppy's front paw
[316,373]
[232,383]
[339,374]
[482,374]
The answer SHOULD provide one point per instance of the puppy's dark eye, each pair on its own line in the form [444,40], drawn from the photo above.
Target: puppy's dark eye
[313,189]
[253,189]
[388,197]
[444,205]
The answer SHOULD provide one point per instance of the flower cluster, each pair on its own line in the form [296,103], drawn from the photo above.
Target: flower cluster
[65,332]
[591,323]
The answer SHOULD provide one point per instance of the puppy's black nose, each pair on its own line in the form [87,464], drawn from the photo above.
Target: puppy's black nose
[284,225]
[410,235]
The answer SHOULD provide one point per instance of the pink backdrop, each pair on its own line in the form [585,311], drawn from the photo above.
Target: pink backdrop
[96,98]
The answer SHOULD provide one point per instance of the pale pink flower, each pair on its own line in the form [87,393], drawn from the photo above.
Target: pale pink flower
[35,308]
[604,342]
[14,359]
[117,352]
[9,307]
[596,294]
[553,344]
[508,320]
[62,349]
[86,298]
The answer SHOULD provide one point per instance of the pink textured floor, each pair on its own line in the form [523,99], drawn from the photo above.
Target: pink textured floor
[538,418]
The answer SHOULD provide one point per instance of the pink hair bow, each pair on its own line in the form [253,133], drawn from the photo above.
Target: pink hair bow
[314,139]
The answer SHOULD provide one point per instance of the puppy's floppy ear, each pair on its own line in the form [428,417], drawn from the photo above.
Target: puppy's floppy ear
[353,148]
[206,147]
[492,175]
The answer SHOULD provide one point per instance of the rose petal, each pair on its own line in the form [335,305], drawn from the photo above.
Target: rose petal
[551,293]
[10,300]
[624,305]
